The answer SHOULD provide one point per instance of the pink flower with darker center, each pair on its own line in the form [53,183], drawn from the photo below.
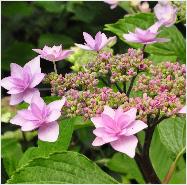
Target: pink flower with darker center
[53,54]
[148,36]
[22,81]
[42,117]
[118,128]
[96,44]
[165,13]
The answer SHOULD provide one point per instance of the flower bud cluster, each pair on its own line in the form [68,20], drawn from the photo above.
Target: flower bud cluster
[121,67]
[164,104]
[181,10]
[90,103]
[78,81]
[165,77]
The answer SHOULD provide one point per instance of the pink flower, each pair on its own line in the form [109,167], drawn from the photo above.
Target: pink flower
[113,3]
[148,36]
[56,53]
[96,44]
[165,13]
[118,128]
[144,7]
[41,116]
[183,110]
[22,81]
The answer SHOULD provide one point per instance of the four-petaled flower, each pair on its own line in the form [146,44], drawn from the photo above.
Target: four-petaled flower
[22,81]
[53,54]
[41,116]
[165,13]
[96,44]
[148,36]
[118,128]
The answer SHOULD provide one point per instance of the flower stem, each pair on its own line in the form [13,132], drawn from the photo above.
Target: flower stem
[55,68]
[131,85]
[143,49]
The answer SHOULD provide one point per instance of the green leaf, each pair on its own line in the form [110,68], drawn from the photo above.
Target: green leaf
[55,39]
[172,135]
[160,158]
[19,53]
[175,47]
[61,168]
[45,148]
[123,164]
[11,154]
[160,58]
[52,7]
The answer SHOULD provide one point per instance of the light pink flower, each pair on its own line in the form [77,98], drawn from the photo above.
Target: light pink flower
[113,3]
[165,13]
[22,81]
[183,110]
[144,7]
[53,54]
[96,44]
[41,116]
[148,36]
[118,128]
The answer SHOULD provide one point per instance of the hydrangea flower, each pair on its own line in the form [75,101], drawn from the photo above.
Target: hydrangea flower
[53,54]
[118,128]
[183,110]
[165,13]
[113,3]
[148,36]
[96,44]
[22,81]
[41,116]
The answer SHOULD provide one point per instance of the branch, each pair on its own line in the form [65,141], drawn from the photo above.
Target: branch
[131,85]
[118,87]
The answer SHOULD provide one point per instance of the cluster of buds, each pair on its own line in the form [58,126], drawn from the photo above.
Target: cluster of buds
[119,68]
[165,104]
[91,102]
[165,77]
[181,10]
[162,86]
[78,81]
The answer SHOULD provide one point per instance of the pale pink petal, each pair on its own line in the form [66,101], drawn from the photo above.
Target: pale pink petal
[108,122]
[183,110]
[49,132]
[29,94]
[97,121]
[36,99]
[131,113]
[37,78]
[108,41]
[98,141]
[53,116]
[29,126]
[154,28]
[131,37]
[16,98]
[135,127]
[100,132]
[34,65]
[64,54]
[57,105]
[15,90]
[18,120]
[89,39]
[7,83]
[39,51]
[16,70]
[36,111]
[84,47]
[126,145]
[27,114]
[98,41]
[109,111]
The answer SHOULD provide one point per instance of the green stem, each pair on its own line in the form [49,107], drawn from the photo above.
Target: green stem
[55,68]
[172,168]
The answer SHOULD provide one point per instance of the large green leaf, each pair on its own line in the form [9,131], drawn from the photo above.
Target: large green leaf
[175,47]
[45,148]
[172,134]
[61,168]
[11,153]
[123,164]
